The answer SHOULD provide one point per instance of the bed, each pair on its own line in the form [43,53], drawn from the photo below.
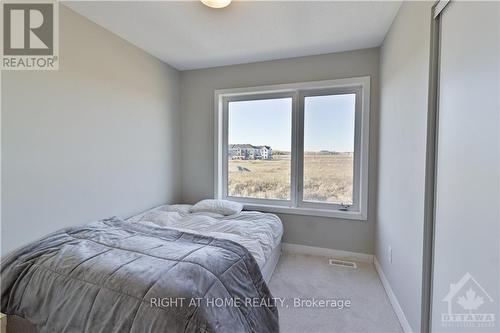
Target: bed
[105,276]
[260,233]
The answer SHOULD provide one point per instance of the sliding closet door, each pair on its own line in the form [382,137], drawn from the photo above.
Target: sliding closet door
[466,278]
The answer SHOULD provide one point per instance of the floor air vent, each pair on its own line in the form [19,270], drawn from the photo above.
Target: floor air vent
[342,263]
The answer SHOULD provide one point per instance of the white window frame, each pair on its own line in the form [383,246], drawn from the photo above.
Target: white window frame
[297,91]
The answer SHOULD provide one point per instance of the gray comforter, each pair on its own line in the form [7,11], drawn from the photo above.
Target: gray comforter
[113,276]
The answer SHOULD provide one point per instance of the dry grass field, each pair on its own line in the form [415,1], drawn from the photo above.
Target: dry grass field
[327,178]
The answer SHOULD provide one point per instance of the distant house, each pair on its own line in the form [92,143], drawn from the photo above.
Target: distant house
[250,152]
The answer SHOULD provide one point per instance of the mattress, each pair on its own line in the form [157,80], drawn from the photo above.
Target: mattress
[270,265]
[259,232]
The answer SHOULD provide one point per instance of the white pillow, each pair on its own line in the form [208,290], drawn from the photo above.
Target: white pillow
[161,218]
[224,207]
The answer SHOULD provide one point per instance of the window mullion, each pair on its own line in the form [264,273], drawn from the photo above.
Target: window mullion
[293,171]
[299,149]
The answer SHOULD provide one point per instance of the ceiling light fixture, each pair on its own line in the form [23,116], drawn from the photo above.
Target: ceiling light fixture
[216,3]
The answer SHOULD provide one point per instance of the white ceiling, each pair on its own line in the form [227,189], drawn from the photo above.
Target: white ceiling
[189,35]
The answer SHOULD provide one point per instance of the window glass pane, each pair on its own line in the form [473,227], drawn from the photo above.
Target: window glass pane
[329,148]
[259,144]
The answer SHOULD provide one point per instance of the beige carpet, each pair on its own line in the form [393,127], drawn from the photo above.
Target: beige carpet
[307,277]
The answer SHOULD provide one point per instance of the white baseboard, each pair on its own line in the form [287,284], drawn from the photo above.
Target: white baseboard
[392,298]
[320,251]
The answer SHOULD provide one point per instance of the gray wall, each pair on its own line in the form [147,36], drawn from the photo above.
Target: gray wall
[197,100]
[97,138]
[467,227]
[404,79]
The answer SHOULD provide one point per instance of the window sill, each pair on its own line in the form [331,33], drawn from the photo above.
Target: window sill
[347,215]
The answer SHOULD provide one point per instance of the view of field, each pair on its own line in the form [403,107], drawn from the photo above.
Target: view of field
[327,177]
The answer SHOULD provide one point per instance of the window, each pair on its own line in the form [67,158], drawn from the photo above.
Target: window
[253,126]
[296,148]
[329,148]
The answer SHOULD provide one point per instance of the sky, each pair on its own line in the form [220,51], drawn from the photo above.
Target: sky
[329,123]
